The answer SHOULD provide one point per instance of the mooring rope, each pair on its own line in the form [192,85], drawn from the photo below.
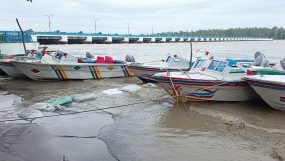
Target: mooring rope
[75,112]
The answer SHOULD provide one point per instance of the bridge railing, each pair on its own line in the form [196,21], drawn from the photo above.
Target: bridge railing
[14,36]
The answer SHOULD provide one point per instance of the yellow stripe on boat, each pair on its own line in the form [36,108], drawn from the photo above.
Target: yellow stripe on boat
[129,72]
[64,75]
[98,72]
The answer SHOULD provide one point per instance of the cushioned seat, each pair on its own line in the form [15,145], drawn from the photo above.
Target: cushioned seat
[109,59]
[100,59]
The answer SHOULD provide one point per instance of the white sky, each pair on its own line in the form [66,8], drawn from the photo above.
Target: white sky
[164,15]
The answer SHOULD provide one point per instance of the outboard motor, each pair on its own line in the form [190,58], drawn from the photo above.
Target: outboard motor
[89,55]
[282,62]
[130,58]
[260,60]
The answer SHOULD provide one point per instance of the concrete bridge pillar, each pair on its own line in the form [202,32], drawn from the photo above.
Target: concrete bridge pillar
[88,40]
[109,40]
[172,40]
[196,39]
[188,39]
[163,39]
[126,40]
[140,40]
[152,40]
[181,40]
[34,38]
[63,39]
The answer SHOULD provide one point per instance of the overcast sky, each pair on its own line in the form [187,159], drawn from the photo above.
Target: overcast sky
[164,15]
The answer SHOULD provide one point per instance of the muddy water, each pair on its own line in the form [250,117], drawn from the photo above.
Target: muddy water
[159,129]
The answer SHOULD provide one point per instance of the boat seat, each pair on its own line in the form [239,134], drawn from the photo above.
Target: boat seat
[80,60]
[109,59]
[100,59]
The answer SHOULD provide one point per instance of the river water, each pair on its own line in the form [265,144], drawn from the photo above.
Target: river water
[159,129]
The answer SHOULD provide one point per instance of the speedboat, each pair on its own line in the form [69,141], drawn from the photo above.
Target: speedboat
[271,88]
[208,80]
[144,71]
[10,69]
[64,66]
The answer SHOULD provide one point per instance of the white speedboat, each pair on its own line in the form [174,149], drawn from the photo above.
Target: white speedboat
[271,89]
[209,80]
[10,69]
[144,71]
[64,66]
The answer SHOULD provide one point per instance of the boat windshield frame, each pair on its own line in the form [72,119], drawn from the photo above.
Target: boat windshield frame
[219,67]
[200,63]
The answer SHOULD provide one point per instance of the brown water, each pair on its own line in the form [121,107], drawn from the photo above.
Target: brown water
[158,130]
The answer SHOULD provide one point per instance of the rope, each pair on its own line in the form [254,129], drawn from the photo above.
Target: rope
[173,86]
[75,112]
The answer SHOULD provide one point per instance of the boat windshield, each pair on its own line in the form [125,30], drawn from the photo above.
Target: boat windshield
[218,66]
[200,63]
[213,65]
[221,66]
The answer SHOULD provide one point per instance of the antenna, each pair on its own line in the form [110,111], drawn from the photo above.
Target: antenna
[22,33]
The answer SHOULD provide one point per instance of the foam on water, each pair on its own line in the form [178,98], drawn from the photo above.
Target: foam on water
[149,85]
[131,88]
[113,91]
[30,114]
[9,100]
[83,97]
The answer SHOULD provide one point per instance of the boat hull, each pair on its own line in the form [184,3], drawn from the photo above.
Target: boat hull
[11,70]
[145,73]
[41,71]
[209,91]
[272,93]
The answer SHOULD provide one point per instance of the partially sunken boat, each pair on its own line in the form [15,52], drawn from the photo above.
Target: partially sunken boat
[64,66]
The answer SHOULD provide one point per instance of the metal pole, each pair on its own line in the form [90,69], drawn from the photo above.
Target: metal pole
[128,28]
[95,22]
[49,24]
[191,55]
[23,40]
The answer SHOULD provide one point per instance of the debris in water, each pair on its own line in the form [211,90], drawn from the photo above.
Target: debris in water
[275,154]
[46,107]
[60,101]
[149,85]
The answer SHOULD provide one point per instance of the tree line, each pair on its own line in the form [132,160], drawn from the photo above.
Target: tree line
[274,32]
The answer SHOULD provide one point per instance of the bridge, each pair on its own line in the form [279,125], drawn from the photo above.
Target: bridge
[97,38]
